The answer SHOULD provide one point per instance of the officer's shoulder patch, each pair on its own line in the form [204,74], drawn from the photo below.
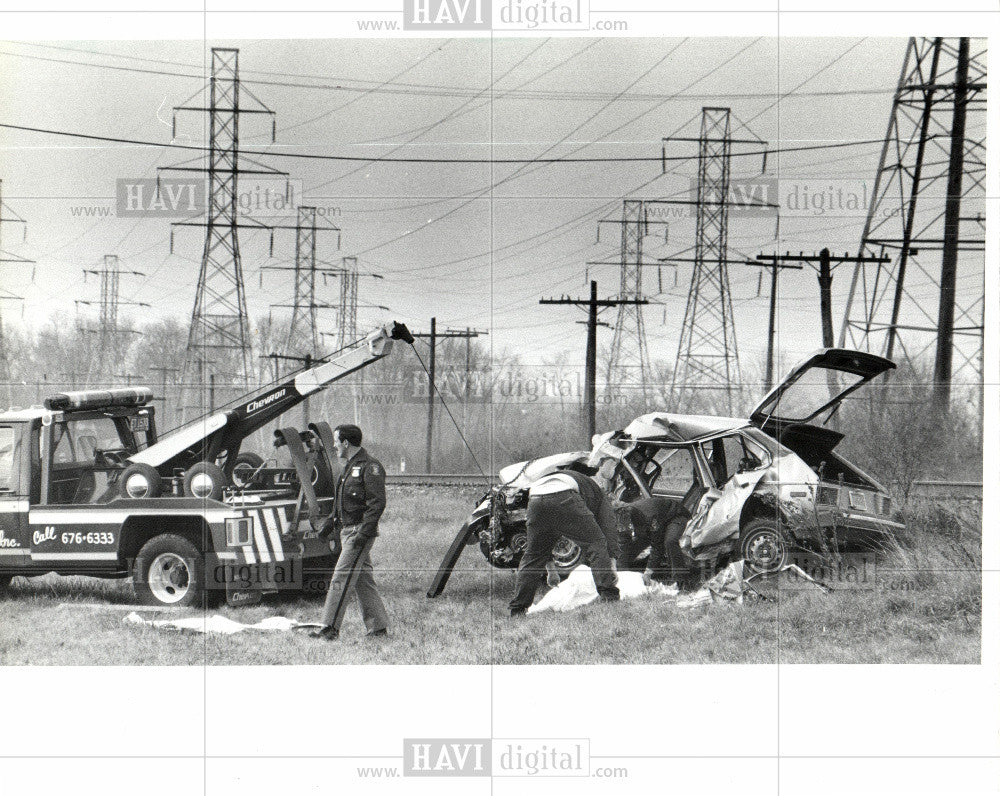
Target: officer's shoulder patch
[374,469]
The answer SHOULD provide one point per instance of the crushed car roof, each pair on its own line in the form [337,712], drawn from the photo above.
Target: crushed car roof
[680,428]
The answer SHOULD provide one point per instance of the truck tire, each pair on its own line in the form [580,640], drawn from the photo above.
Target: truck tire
[139,481]
[245,464]
[204,480]
[169,570]
[763,546]
[4,582]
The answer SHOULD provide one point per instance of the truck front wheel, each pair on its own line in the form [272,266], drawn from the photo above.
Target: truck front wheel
[169,570]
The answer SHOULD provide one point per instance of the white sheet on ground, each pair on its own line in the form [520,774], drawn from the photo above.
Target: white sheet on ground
[579,589]
[214,624]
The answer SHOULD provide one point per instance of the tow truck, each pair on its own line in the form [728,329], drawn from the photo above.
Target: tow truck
[88,488]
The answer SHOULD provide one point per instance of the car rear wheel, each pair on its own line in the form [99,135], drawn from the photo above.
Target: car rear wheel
[763,546]
[169,570]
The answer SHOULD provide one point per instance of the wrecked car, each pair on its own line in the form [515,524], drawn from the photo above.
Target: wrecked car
[757,488]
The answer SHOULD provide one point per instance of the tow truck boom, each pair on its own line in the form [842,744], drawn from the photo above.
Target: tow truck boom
[218,436]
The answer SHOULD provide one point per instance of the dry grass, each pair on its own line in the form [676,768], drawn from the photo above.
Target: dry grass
[918,604]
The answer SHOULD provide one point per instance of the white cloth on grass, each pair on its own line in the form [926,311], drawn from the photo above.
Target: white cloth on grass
[213,624]
[579,589]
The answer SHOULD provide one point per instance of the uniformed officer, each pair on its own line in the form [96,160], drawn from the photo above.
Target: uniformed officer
[567,504]
[359,501]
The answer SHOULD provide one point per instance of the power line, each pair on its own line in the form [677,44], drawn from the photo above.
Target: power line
[438,161]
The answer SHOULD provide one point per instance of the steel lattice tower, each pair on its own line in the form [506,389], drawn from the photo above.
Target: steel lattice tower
[303,337]
[109,335]
[5,295]
[219,339]
[347,326]
[219,332]
[707,355]
[629,366]
[936,138]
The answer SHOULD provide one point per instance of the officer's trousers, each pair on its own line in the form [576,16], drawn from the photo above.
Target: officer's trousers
[354,573]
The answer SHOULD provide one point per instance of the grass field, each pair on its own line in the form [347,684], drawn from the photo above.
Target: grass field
[923,605]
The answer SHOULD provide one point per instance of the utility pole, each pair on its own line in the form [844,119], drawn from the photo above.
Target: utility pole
[594,306]
[949,253]
[824,262]
[432,337]
[773,263]
[931,149]
[219,323]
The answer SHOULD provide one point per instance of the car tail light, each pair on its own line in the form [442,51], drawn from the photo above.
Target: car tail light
[886,505]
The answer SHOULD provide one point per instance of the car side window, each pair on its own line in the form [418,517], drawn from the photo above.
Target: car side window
[676,471]
[729,455]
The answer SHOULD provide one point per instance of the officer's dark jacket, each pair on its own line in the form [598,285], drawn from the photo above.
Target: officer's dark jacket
[360,496]
[600,506]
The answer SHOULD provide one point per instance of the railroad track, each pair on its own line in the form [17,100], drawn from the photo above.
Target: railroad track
[924,490]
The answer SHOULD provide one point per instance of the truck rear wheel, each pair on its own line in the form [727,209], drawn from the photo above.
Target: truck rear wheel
[204,480]
[169,570]
[139,481]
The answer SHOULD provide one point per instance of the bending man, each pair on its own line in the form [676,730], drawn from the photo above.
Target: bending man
[567,504]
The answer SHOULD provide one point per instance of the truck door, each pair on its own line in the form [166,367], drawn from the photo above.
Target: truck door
[15,491]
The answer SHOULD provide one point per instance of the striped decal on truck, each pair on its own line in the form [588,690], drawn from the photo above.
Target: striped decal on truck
[269,524]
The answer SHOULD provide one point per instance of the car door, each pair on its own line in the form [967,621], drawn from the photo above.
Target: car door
[816,385]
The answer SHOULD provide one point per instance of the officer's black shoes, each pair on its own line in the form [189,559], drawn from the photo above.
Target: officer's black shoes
[609,595]
[519,611]
[383,633]
[328,633]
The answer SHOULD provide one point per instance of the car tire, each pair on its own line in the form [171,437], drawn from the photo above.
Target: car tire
[763,546]
[245,464]
[169,570]
[204,480]
[139,481]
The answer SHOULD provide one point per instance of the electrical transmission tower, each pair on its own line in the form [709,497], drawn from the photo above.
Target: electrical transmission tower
[302,340]
[927,212]
[707,353]
[7,216]
[629,368]
[109,335]
[347,319]
[219,335]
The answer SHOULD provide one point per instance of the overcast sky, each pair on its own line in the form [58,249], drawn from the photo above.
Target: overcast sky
[446,242]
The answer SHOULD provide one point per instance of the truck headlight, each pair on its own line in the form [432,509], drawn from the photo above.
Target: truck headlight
[238,530]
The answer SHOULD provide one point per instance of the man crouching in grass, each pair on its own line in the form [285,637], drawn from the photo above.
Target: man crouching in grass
[567,504]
